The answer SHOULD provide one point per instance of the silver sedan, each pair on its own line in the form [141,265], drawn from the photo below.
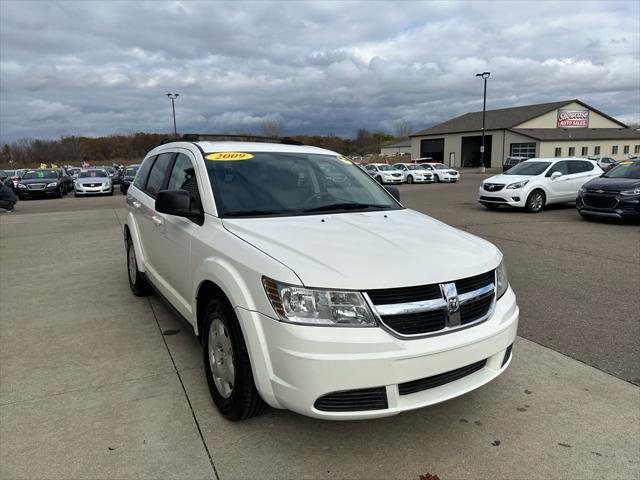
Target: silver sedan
[94,181]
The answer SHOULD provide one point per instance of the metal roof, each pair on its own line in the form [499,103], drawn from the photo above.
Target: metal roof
[401,143]
[500,119]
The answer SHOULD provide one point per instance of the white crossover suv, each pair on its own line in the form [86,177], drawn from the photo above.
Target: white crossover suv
[269,259]
[441,173]
[412,173]
[537,182]
[384,173]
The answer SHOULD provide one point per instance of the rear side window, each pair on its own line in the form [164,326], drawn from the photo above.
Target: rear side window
[561,167]
[143,173]
[577,166]
[158,173]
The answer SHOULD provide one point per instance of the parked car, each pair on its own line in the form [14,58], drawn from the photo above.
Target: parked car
[114,174]
[94,181]
[128,174]
[41,182]
[74,171]
[237,237]
[538,182]
[616,194]
[13,178]
[512,162]
[384,173]
[441,173]
[605,163]
[414,173]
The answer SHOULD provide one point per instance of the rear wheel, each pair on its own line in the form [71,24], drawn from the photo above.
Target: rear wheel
[535,201]
[227,365]
[138,284]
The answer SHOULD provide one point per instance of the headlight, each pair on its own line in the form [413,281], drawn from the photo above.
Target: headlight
[518,184]
[21,186]
[52,184]
[583,189]
[635,191]
[312,306]
[501,279]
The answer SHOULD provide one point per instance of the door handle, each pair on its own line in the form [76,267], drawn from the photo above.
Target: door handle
[157,221]
[136,205]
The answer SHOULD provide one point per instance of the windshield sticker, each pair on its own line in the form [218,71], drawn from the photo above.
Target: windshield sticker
[93,174]
[40,174]
[228,156]
[626,163]
[343,159]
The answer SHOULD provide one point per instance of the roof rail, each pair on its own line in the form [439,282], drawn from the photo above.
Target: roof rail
[223,137]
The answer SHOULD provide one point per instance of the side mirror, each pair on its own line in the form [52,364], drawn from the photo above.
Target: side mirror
[395,193]
[177,203]
[555,175]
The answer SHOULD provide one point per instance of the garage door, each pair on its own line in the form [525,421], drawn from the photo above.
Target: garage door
[432,148]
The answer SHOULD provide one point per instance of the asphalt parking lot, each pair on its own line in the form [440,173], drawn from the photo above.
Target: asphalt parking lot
[97,383]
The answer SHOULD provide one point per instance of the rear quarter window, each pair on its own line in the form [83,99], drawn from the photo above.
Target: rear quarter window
[140,179]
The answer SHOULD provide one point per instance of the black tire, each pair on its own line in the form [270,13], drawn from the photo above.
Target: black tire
[436,178]
[138,284]
[491,206]
[535,201]
[379,180]
[409,179]
[22,197]
[111,193]
[75,194]
[243,401]
[59,192]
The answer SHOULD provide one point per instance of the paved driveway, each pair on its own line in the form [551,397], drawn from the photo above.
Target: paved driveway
[96,383]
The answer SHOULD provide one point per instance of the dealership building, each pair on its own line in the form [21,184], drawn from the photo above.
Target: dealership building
[558,129]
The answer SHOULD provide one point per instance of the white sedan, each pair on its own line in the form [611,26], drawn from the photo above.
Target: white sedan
[538,182]
[441,173]
[384,173]
[414,173]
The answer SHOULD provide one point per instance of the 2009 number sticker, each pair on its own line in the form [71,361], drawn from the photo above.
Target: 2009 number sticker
[228,156]
[343,159]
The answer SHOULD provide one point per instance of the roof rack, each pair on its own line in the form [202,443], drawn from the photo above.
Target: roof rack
[222,137]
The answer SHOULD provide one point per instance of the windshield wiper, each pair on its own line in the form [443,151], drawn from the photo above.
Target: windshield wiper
[250,213]
[343,206]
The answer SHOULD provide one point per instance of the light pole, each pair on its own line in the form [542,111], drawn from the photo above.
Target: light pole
[173,97]
[484,76]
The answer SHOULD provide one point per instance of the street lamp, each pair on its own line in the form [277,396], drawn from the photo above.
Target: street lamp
[173,97]
[484,76]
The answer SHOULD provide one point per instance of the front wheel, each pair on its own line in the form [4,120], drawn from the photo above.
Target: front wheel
[436,178]
[535,201]
[409,179]
[379,180]
[491,206]
[227,365]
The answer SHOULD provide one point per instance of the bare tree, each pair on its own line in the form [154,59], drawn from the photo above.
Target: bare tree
[403,128]
[272,128]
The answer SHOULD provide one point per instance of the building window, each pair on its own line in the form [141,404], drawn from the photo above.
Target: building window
[596,150]
[527,150]
[636,149]
[572,151]
[614,150]
[625,149]
[585,151]
[558,152]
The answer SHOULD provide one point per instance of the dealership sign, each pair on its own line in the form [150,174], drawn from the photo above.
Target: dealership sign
[573,118]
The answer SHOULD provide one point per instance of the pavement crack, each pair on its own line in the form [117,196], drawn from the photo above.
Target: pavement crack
[193,413]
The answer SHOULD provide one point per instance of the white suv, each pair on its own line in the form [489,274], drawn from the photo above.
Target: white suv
[266,250]
[412,173]
[537,182]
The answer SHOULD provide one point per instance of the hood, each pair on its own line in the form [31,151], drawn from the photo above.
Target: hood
[82,181]
[508,179]
[38,180]
[617,184]
[368,250]
[391,171]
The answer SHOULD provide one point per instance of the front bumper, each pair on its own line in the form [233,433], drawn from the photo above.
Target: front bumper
[622,207]
[41,192]
[512,197]
[392,180]
[80,190]
[296,365]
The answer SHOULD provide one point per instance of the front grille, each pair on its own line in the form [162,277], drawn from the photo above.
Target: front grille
[427,383]
[396,174]
[493,199]
[475,310]
[404,294]
[474,283]
[599,201]
[417,323]
[492,187]
[424,309]
[353,400]
[36,186]
[92,185]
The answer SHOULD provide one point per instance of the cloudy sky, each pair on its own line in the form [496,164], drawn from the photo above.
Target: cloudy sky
[94,68]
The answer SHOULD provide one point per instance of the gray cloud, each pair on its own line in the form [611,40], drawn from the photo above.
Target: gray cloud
[90,68]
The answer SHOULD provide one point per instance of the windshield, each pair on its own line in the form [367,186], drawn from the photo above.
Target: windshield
[276,183]
[625,170]
[440,166]
[415,167]
[385,168]
[40,174]
[10,173]
[92,173]
[130,172]
[528,168]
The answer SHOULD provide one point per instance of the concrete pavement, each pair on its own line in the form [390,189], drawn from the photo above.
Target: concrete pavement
[96,383]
